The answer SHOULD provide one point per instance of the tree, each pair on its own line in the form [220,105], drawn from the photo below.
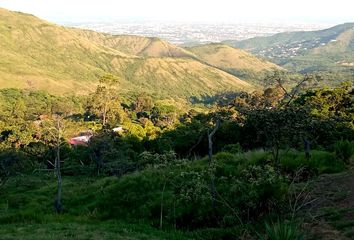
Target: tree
[58,142]
[210,154]
[105,97]
[276,128]
[54,128]
[143,103]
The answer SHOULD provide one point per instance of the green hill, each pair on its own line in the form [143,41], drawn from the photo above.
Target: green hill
[306,51]
[235,61]
[229,58]
[41,55]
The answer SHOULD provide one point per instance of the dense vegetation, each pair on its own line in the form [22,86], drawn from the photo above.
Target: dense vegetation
[171,144]
[193,171]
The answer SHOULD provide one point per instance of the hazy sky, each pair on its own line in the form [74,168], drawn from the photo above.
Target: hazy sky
[312,11]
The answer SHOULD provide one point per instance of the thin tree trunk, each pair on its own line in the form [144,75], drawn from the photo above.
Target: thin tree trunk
[174,213]
[195,145]
[307,147]
[275,153]
[58,205]
[104,114]
[212,178]
[161,206]
[277,156]
[210,140]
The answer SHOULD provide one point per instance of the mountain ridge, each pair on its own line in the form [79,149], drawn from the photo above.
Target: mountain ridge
[67,60]
[306,51]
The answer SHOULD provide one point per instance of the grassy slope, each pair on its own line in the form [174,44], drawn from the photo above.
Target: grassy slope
[137,45]
[63,60]
[30,199]
[104,204]
[226,57]
[49,56]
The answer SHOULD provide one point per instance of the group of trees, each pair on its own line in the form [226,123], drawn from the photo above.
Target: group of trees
[273,119]
[165,138]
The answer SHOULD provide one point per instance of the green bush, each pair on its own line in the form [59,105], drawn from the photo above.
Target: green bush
[326,162]
[251,191]
[232,148]
[12,163]
[318,163]
[256,157]
[344,150]
[148,159]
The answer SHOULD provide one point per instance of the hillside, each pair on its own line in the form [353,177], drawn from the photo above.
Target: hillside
[306,51]
[41,55]
[229,58]
[136,45]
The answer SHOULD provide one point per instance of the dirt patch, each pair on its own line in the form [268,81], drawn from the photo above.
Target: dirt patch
[330,212]
[322,230]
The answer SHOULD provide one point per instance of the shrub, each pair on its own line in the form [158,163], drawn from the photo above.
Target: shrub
[251,192]
[326,162]
[344,150]
[225,157]
[148,159]
[232,148]
[281,230]
[256,157]
[12,162]
[319,162]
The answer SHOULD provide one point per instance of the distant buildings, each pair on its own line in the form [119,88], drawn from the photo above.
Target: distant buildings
[184,33]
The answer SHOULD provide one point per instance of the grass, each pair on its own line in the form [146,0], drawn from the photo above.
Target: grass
[26,211]
[320,161]
[93,230]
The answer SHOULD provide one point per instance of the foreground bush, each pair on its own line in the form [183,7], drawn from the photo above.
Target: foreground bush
[344,150]
[281,230]
[319,162]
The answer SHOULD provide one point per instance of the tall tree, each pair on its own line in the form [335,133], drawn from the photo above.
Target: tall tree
[104,97]
[58,142]
[54,128]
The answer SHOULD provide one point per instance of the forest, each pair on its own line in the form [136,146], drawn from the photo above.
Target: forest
[238,166]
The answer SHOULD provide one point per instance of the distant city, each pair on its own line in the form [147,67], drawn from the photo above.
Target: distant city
[198,33]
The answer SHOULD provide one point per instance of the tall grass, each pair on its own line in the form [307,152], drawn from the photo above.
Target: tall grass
[319,162]
[281,230]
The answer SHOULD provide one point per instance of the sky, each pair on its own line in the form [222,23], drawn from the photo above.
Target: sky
[299,11]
